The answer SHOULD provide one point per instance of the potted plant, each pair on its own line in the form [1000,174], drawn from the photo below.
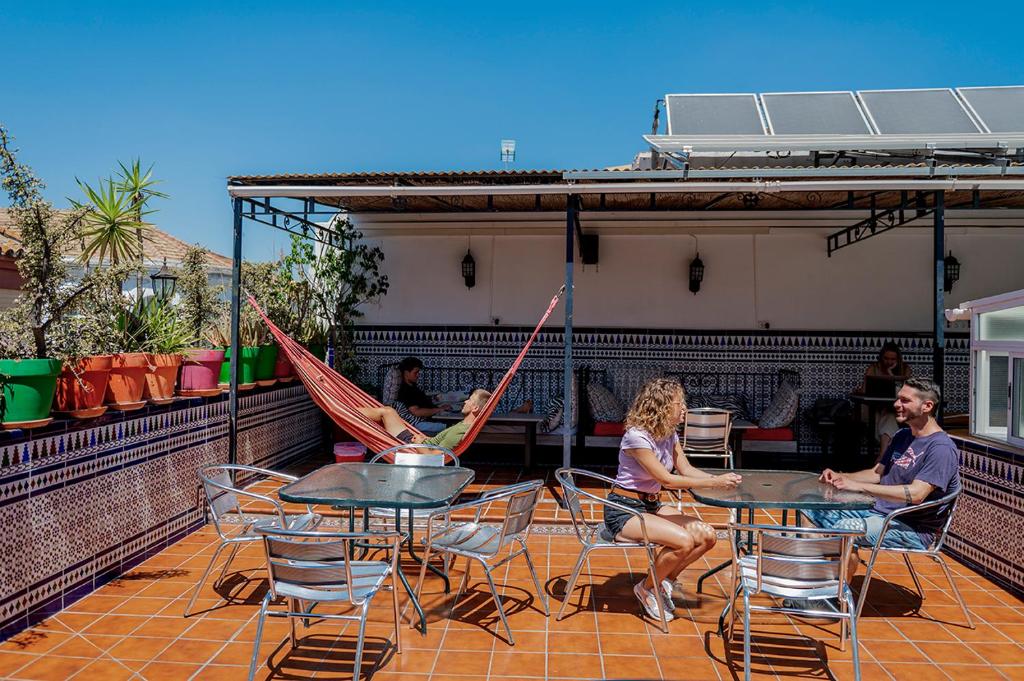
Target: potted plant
[54,322]
[167,338]
[268,283]
[200,307]
[249,336]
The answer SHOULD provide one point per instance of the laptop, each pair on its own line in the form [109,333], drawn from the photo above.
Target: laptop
[881,386]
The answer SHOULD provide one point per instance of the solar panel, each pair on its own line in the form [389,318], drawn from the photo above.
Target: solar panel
[814,113]
[935,111]
[1001,109]
[713,115]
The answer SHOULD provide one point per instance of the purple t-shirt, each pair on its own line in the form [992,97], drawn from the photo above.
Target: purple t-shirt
[933,459]
[631,474]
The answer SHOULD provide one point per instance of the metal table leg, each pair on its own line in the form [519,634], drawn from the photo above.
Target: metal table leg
[724,564]
[415,556]
[401,573]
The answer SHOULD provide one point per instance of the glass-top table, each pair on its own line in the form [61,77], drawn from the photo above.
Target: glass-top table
[379,485]
[786,490]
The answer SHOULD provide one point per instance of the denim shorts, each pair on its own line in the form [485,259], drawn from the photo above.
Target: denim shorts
[898,536]
[615,520]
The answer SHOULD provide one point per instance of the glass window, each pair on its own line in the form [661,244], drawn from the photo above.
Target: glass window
[1002,325]
[1017,413]
[991,391]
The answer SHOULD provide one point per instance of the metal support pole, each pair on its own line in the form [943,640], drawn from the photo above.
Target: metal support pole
[939,329]
[571,218]
[236,345]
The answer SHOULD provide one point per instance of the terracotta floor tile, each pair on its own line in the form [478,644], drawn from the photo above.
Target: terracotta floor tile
[166,627]
[168,671]
[1014,673]
[574,666]
[116,624]
[186,650]
[679,646]
[572,642]
[629,666]
[86,646]
[999,653]
[35,640]
[893,651]
[139,648]
[505,663]
[95,603]
[949,652]
[969,672]
[213,630]
[107,670]
[911,671]
[464,662]
[626,644]
[10,662]
[53,668]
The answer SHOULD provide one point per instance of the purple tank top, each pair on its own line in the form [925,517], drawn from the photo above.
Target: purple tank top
[631,474]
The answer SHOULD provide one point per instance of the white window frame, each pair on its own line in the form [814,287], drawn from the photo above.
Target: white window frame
[1014,350]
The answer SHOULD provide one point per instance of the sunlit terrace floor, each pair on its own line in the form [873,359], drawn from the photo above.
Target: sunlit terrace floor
[133,628]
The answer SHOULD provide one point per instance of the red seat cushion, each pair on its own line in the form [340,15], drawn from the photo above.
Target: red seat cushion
[769,434]
[609,428]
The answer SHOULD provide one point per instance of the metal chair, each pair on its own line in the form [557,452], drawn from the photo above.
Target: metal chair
[933,552]
[589,532]
[314,567]
[793,563]
[706,434]
[223,498]
[409,455]
[481,542]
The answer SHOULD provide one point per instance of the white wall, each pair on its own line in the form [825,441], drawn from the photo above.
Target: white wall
[781,277]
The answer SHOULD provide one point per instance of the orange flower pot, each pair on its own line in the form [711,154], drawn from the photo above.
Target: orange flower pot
[128,381]
[284,372]
[161,377]
[81,389]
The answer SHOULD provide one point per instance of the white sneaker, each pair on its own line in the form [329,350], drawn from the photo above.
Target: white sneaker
[650,602]
[666,588]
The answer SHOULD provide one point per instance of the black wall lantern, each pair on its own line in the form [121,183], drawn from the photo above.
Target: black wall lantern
[164,283]
[469,270]
[951,272]
[696,273]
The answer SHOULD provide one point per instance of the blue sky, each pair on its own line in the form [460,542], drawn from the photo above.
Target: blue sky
[206,90]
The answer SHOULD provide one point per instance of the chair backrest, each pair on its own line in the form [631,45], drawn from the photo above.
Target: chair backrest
[807,558]
[313,559]
[416,455]
[520,508]
[950,502]
[570,479]
[707,430]
[221,493]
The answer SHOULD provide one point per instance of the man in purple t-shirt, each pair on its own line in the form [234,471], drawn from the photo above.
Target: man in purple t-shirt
[921,464]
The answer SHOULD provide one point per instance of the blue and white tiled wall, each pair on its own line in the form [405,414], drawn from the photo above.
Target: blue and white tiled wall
[80,506]
[830,365]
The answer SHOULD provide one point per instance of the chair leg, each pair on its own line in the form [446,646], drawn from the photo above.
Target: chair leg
[462,583]
[536,582]
[497,602]
[423,571]
[854,643]
[202,580]
[658,596]
[572,581]
[913,575]
[735,592]
[398,616]
[224,570]
[746,635]
[360,637]
[937,557]
[259,634]
[295,607]
[865,585]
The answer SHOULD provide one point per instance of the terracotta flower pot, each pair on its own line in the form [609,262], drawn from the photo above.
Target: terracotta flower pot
[284,372]
[161,377]
[28,387]
[265,362]
[247,377]
[81,389]
[200,372]
[128,381]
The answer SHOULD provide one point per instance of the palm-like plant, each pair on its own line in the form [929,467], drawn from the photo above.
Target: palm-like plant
[138,185]
[109,224]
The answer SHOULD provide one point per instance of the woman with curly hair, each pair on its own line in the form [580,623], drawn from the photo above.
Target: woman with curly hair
[649,452]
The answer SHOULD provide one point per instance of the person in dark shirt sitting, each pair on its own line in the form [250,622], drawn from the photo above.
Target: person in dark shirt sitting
[419,403]
[921,464]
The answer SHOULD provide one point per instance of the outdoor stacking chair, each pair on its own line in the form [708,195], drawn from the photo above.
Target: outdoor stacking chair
[308,567]
[589,531]
[480,542]
[933,552]
[223,497]
[793,563]
[706,434]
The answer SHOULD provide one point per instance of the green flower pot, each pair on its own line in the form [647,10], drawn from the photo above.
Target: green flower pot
[28,388]
[248,374]
[265,361]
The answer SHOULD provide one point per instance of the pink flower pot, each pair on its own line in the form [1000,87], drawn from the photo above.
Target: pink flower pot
[200,372]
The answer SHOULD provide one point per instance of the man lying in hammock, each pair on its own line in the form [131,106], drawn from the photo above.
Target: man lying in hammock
[448,438]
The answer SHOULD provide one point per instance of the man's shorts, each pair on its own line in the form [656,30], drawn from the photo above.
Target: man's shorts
[898,536]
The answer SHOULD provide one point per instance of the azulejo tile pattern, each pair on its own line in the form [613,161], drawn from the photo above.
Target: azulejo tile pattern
[988,529]
[79,508]
[830,365]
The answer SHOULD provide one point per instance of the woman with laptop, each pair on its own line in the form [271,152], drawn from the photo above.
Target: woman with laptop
[883,379]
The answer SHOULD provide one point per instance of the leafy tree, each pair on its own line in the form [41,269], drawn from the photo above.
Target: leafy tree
[341,279]
[52,317]
[199,302]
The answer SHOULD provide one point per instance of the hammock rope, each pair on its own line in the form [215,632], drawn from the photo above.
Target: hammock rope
[341,399]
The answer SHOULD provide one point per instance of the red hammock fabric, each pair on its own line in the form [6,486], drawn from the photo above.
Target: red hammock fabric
[341,398]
